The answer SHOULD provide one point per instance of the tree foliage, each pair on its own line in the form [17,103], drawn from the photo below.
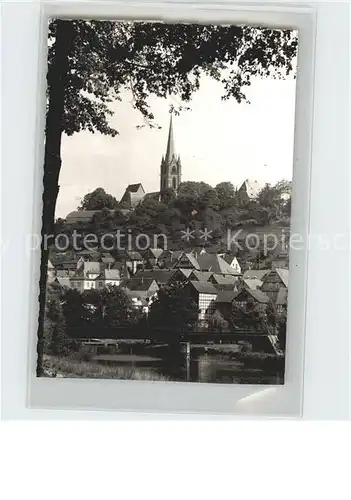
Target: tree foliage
[249,316]
[98,200]
[55,339]
[174,308]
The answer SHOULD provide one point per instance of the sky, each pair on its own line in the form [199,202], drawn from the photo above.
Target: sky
[217,141]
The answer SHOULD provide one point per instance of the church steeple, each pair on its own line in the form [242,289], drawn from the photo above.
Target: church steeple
[170,143]
[171,169]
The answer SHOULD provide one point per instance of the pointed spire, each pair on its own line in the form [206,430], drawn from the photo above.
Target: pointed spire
[170,143]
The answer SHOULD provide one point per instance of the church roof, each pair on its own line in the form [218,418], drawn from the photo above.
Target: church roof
[81,216]
[170,152]
[134,188]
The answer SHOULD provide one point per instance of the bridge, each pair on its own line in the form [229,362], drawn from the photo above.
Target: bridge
[106,336]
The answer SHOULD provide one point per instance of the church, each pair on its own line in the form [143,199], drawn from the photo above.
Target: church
[170,175]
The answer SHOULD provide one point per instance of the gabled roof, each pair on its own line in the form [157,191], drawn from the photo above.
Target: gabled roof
[256,273]
[200,275]
[176,254]
[162,276]
[62,273]
[282,297]
[253,283]
[215,264]
[81,215]
[190,258]
[140,295]
[184,272]
[133,255]
[107,257]
[87,268]
[252,188]
[63,281]
[283,275]
[134,188]
[255,294]
[110,274]
[229,257]
[50,265]
[226,297]
[140,284]
[224,280]
[204,287]
[156,252]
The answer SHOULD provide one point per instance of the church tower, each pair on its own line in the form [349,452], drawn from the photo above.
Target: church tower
[171,169]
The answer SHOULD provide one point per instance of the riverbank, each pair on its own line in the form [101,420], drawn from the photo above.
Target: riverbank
[72,368]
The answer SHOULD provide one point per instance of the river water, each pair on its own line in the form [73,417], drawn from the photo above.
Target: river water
[200,366]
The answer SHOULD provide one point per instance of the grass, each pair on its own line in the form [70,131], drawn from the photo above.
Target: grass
[73,368]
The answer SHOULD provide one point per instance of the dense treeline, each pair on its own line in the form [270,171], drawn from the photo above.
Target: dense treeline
[172,312]
[196,206]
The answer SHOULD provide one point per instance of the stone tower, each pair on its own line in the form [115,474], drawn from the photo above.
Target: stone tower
[171,169]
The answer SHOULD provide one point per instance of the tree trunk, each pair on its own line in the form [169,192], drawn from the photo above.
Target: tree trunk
[57,79]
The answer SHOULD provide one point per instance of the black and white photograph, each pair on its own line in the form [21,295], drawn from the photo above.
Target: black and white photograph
[167,202]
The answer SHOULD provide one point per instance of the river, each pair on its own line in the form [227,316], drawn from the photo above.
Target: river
[200,366]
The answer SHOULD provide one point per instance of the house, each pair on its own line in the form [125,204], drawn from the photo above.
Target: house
[181,275]
[88,255]
[273,281]
[65,282]
[281,300]
[223,282]
[142,292]
[122,268]
[132,259]
[169,258]
[196,251]
[81,216]
[152,256]
[64,273]
[133,195]
[107,259]
[161,276]
[200,275]
[108,277]
[224,302]
[67,265]
[255,274]
[85,277]
[187,261]
[246,294]
[250,283]
[148,286]
[248,191]
[232,261]
[204,294]
[215,264]
[278,259]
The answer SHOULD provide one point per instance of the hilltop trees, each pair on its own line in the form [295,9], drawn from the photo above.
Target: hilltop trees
[97,200]
[276,198]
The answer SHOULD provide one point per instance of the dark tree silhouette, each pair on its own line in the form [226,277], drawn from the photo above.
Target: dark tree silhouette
[91,62]
[97,200]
